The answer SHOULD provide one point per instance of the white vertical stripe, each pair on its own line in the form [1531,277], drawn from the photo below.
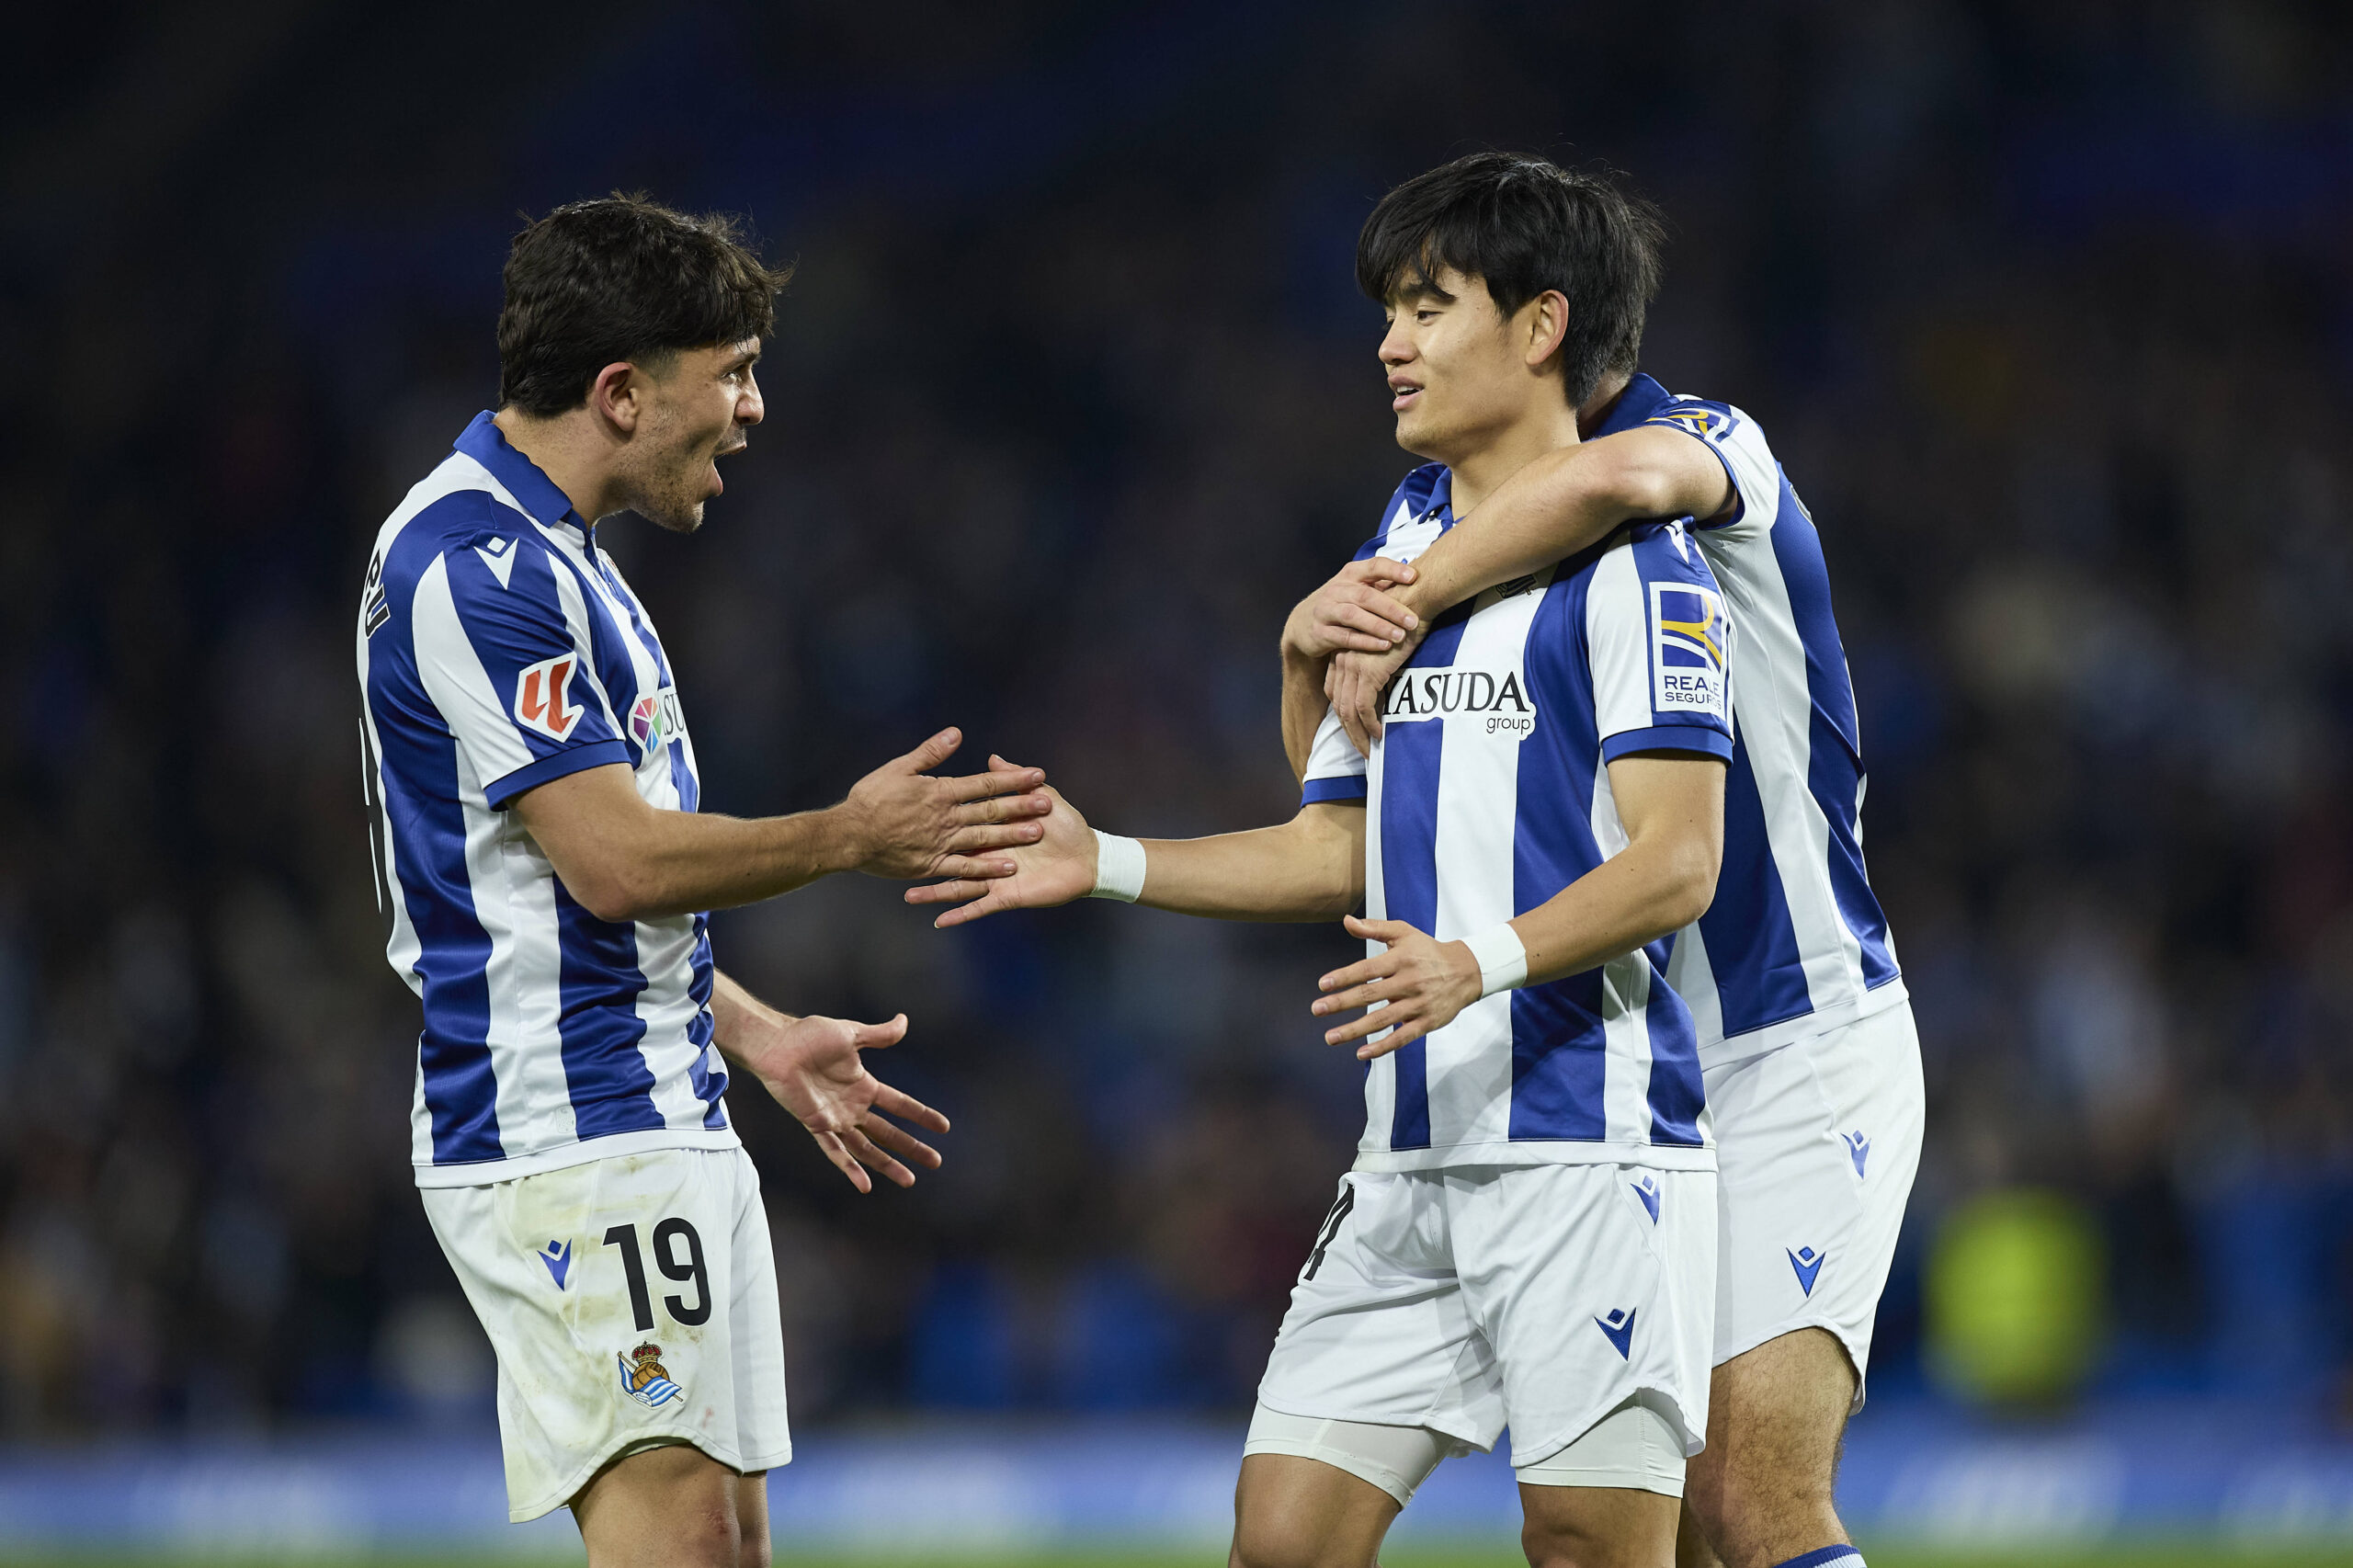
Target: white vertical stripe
[1381,1082]
[1694,980]
[1626,1068]
[515,904]
[1617,635]
[1477,824]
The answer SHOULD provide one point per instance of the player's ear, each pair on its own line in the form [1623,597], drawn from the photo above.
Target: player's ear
[617,395]
[1548,323]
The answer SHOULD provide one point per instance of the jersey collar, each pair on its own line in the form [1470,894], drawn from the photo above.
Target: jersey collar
[1637,402]
[485,443]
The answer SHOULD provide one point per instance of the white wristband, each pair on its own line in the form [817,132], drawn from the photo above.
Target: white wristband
[1503,958]
[1119,867]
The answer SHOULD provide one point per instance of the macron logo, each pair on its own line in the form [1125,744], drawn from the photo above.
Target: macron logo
[1647,1190]
[544,697]
[558,1259]
[1808,1264]
[1858,1149]
[1618,1327]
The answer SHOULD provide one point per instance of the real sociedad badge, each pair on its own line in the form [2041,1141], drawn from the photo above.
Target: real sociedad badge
[648,1381]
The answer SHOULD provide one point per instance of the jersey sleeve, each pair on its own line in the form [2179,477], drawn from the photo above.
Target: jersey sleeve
[1740,446]
[1335,769]
[1661,647]
[504,656]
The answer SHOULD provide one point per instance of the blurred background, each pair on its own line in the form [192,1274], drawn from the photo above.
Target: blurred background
[2048,309]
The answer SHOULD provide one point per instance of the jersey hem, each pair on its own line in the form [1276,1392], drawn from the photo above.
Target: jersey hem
[558,765]
[609,1146]
[1889,993]
[1521,1152]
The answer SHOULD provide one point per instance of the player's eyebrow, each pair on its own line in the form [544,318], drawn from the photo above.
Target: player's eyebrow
[1418,285]
[743,361]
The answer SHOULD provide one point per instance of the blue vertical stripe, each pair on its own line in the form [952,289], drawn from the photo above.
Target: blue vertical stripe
[1676,1091]
[1558,1051]
[710,1081]
[1409,882]
[1752,942]
[611,1086]
[1835,769]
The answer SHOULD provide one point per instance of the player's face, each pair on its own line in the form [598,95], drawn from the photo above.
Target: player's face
[1458,375]
[695,412]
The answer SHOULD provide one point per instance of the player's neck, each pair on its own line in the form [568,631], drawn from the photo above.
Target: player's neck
[570,450]
[1513,448]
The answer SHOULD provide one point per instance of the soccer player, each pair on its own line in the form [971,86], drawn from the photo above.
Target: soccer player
[545,871]
[1805,1031]
[1529,1233]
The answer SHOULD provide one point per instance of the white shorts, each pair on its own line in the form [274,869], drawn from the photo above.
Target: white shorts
[1543,1296]
[632,1303]
[1816,1144]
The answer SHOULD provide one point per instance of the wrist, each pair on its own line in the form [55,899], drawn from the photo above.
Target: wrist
[1119,867]
[1500,958]
[846,838]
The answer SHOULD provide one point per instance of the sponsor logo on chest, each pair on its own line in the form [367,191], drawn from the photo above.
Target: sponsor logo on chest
[657,719]
[1495,702]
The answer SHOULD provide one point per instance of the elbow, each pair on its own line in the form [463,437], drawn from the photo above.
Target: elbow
[1689,887]
[609,892]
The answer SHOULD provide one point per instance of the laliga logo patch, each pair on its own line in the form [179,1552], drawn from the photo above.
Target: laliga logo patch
[1690,646]
[1704,423]
[544,697]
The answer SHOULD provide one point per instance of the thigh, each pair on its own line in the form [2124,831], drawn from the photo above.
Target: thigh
[1598,1526]
[756,1330]
[1291,1512]
[1377,1330]
[672,1505]
[1817,1143]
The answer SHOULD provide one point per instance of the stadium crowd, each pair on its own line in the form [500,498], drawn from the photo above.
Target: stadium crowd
[2046,309]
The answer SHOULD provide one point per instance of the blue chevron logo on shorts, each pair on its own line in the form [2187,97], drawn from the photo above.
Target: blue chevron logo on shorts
[1618,1327]
[1808,1263]
[1858,1149]
[1647,1190]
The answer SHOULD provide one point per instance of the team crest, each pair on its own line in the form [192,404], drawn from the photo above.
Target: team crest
[644,1378]
[1691,649]
[544,697]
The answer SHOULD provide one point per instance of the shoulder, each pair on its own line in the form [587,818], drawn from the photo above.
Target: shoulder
[1407,502]
[1722,424]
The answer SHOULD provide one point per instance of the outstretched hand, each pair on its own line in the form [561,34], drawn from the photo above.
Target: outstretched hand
[813,1067]
[1056,868]
[1414,989]
[908,824]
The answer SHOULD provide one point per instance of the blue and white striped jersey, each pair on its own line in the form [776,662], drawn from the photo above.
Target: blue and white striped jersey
[1486,795]
[1795,941]
[499,649]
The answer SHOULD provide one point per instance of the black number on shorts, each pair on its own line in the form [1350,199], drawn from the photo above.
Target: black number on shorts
[1330,1231]
[639,1301]
[665,1234]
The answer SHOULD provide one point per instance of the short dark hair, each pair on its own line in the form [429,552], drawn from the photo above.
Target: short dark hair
[621,277]
[1522,225]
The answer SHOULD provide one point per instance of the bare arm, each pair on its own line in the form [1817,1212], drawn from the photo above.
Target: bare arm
[1311,868]
[1558,505]
[812,1068]
[624,860]
[1672,806]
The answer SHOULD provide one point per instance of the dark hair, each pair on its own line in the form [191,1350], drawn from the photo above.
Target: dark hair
[1523,225]
[621,279]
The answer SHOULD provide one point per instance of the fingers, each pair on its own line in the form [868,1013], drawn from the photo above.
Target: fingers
[1385,610]
[905,1106]
[863,1150]
[1378,967]
[933,752]
[900,1142]
[874,1036]
[973,840]
[1405,1034]
[1377,569]
[836,1151]
[965,913]
[1357,629]
[1363,994]
[946,892]
[998,781]
[987,868]
[1375,931]
[989,809]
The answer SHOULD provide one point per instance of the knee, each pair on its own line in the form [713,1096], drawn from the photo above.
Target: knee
[1282,1548]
